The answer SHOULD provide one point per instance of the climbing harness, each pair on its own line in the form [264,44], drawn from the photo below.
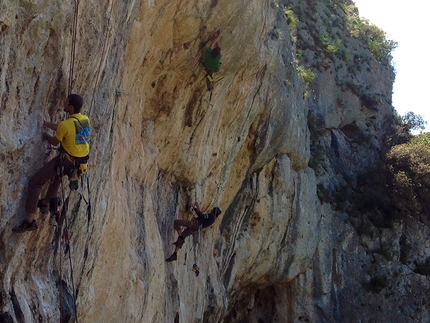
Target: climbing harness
[80,167]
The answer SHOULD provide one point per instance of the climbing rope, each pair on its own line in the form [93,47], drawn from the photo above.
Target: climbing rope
[88,202]
[210,98]
[102,56]
[73,46]
[63,232]
[63,243]
[65,235]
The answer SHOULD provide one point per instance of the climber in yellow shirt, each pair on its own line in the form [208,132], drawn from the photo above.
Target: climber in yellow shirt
[73,134]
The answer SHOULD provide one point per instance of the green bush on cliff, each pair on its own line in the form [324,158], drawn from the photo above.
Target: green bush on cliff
[307,74]
[410,167]
[398,184]
[292,22]
[324,38]
[373,36]
[331,46]
[334,47]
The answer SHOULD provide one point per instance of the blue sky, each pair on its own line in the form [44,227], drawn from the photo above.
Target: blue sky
[407,23]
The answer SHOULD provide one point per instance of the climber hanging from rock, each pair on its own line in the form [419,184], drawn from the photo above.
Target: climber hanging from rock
[203,220]
[73,136]
[212,58]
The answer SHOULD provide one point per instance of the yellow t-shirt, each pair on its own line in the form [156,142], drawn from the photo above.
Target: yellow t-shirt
[74,135]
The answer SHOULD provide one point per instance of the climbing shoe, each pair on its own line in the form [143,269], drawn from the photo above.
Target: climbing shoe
[25,226]
[44,209]
[179,242]
[173,257]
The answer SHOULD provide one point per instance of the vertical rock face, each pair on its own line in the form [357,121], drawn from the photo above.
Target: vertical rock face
[160,139]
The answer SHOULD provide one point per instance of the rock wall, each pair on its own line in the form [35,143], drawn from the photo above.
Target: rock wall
[159,140]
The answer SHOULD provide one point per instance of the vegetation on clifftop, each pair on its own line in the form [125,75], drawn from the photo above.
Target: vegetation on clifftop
[374,37]
[328,36]
[399,184]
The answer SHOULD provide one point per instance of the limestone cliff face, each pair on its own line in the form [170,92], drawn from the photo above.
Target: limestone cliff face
[277,253]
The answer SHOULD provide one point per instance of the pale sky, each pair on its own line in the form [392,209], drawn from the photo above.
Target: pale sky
[407,23]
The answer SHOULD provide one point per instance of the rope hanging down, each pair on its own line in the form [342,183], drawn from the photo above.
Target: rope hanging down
[62,237]
[62,243]
[65,201]
[73,47]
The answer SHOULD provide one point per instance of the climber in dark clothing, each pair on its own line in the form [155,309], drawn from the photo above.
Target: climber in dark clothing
[213,55]
[211,59]
[203,220]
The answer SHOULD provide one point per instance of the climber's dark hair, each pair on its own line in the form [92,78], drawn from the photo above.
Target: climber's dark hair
[216,51]
[77,101]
